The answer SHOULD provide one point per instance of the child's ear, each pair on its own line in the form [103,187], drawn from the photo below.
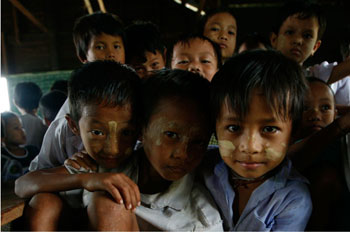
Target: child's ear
[316,46]
[72,125]
[273,39]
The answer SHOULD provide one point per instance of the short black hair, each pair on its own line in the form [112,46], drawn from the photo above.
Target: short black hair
[60,85]
[106,83]
[253,39]
[151,40]
[88,26]
[175,83]
[203,20]
[185,39]
[27,95]
[304,9]
[280,79]
[5,116]
[51,103]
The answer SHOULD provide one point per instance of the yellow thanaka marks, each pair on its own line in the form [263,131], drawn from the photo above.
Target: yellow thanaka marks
[226,148]
[112,136]
[272,154]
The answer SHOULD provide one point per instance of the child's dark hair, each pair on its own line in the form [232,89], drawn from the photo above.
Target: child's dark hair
[51,103]
[60,85]
[252,41]
[27,96]
[173,84]
[5,116]
[312,79]
[185,39]
[304,9]
[105,83]
[151,40]
[279,78]
[203,20]
[88,26]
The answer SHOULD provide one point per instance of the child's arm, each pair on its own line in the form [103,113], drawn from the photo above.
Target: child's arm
[339,71]
[303,153]
[121,187]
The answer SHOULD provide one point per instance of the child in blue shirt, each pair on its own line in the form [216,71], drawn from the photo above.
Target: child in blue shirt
[256,97]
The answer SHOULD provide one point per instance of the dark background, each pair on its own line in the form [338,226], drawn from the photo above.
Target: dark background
[26,48]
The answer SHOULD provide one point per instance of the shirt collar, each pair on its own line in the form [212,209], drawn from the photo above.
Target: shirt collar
[177,196]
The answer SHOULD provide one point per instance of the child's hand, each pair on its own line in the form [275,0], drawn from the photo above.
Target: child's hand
[120,186]
[81,161]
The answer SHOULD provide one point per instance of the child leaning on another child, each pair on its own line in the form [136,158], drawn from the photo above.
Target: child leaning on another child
[250,178]
[175,133]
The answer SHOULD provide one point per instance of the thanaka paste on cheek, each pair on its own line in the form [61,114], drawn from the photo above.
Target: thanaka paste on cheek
[226,148]
[272,154]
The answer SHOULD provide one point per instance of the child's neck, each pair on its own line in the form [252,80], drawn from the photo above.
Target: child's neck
[150,181]
[16,150]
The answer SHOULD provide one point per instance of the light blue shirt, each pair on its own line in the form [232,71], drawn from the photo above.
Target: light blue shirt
[281,203]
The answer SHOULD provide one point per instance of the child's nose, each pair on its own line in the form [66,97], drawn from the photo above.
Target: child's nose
[223,35]
[297,39]
[314,115]
[111,146]
[194,67]
[181,151]
[110,53]
[251,143]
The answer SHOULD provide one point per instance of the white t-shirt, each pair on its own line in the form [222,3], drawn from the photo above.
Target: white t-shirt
[35,129]
[185,206]
[340,88]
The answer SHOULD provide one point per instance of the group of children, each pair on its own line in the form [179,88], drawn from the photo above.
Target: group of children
[129,151]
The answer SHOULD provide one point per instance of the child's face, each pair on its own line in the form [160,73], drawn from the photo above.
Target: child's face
[107,133]
[175,138]
[198,57]
[15,134]
[256,144]
[297,38]
[106,47]
[222,29]
[153,62]
[319,108]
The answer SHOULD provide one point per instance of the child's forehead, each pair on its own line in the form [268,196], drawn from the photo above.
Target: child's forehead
[302,18]
[201,45]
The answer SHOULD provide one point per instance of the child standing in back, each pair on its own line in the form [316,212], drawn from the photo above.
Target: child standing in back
[256,98]
[195,53]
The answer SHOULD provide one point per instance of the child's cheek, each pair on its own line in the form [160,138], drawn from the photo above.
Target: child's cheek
[226,148]
[273,153]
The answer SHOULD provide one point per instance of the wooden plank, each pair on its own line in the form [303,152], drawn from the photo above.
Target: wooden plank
[88,6]
[102,6]
[11,205]
[29,15]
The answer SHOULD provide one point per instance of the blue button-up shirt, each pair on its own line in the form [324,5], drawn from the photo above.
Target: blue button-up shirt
[281,203]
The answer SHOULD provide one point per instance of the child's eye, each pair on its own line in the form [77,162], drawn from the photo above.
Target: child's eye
[171,134]
[182,62]
[325,107]
[233,128]
[99,47]
[270,129]
[117,46]
[214,29]
[139,69]
[308,36]
[231,32]
[289,32]
[155,65]
[97,132]
[206,61]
